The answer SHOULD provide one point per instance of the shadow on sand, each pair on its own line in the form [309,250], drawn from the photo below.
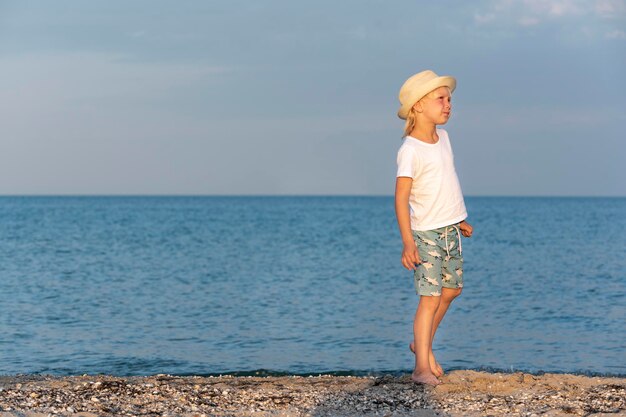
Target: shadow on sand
[384,396]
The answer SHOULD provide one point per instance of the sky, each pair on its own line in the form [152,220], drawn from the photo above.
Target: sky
[300,98]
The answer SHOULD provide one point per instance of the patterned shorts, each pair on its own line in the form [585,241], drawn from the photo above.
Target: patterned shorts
[442,260]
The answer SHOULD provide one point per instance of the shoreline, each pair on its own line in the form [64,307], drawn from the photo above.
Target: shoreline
[463,393]
[376,374]
[266,373]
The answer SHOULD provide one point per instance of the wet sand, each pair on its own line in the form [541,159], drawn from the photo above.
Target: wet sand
[463,393]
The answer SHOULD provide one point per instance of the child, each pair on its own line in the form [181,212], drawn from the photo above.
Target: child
[430,210]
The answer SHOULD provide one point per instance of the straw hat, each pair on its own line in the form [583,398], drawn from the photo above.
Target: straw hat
[418,86]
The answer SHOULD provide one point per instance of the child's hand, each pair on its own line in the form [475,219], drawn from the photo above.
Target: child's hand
[466,229]
[410,256]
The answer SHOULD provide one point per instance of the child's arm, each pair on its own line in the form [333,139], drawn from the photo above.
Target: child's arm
[410,256]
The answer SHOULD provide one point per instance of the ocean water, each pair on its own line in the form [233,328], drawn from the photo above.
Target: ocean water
[209,285]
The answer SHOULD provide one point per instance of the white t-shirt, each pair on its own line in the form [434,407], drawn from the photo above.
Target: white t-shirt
[436,199]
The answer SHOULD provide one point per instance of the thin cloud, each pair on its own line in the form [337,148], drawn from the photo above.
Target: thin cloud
[528,21]
[552,118]
[534,12]
[484,18]
[555,7]
[616,34]
[610,9]
[138,34]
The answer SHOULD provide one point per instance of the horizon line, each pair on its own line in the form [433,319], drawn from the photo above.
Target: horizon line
[69,195]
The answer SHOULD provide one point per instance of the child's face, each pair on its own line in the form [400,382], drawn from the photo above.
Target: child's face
[437,105]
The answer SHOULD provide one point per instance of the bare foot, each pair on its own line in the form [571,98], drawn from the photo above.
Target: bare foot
[435,368]
[425,378]
[438,370]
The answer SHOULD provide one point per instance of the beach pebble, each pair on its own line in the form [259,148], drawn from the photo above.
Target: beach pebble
[463,393]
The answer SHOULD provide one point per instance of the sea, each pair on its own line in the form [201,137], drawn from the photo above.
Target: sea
[273,285]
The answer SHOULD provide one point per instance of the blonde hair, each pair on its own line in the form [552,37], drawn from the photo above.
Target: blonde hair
[411,118]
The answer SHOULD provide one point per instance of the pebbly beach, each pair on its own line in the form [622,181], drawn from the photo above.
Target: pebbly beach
[462,393]
[313,209]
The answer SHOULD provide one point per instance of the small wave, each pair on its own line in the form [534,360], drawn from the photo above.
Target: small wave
[60,372]
[399,373]
[274,373]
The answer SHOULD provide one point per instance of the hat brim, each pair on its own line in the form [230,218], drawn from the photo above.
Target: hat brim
[424,89]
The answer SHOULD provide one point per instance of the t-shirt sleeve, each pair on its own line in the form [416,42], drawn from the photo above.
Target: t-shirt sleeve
[408,163]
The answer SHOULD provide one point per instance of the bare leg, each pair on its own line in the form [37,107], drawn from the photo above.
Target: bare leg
[447,296]
[422,331]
